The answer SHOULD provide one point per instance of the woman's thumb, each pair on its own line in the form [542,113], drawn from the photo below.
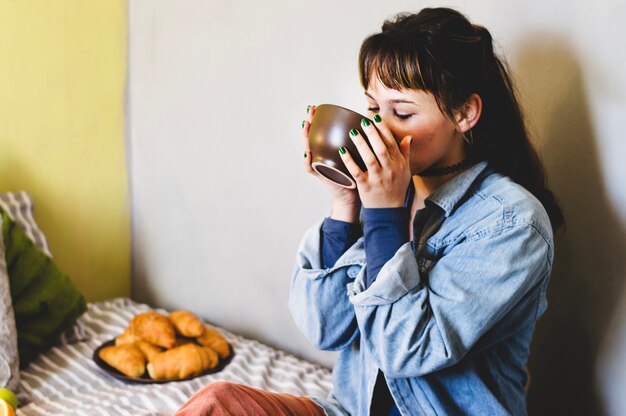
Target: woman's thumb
[405,147]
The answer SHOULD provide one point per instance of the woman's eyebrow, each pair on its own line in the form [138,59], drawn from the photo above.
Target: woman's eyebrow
[402,101]
[369,95]
[395,101]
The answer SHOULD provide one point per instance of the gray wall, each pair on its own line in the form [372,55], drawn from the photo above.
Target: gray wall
[218,90]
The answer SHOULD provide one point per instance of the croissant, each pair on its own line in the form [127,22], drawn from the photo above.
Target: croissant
[149,350]
[125,358]
[180,362]
[127,337]
[214,339]
[182,341]
[187,324]
[154,328]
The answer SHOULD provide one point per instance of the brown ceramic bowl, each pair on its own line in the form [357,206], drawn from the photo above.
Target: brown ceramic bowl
[329,131]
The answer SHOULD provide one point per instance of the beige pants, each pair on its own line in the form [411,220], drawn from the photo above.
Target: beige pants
[229,399]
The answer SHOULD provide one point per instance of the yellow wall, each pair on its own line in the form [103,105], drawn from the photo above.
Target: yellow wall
[62,96]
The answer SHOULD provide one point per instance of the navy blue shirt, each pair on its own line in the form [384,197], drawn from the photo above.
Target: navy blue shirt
[384,231]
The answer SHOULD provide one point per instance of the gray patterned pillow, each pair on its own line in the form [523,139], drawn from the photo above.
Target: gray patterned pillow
[19,206]
[9,359]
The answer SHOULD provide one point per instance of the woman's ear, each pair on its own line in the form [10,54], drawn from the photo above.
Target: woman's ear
[468,114]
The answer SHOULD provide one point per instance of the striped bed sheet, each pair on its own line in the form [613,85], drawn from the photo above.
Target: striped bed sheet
[66,381]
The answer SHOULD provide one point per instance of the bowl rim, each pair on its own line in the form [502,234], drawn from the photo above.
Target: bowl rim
[339,107]
[316,165]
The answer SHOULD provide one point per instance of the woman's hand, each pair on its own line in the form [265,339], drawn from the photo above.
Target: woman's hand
[346,203]
[388,173]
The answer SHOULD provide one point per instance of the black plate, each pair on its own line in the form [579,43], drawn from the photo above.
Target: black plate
[146,378]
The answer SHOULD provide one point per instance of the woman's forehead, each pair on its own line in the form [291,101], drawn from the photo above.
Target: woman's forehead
[376,90]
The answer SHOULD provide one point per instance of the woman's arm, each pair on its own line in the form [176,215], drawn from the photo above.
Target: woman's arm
[413,327]
[318,298]
[337,237]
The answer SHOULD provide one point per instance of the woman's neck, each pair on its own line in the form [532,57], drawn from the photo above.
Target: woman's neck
[425,186]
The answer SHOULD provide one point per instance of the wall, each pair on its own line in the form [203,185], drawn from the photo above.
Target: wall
[218,90]
[62,96]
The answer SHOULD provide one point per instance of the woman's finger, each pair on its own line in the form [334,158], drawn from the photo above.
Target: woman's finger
[310,112]
[364,151]
[405,149]
[387,136]
[351,165]
[306,125]
[378,145]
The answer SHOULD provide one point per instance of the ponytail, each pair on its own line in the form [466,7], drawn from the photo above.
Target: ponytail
[503,138]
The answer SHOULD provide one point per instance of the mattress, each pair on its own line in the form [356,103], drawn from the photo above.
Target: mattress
[66,381]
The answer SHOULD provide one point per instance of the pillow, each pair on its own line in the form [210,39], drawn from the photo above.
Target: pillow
[9,359]
[20,208]
[45,301]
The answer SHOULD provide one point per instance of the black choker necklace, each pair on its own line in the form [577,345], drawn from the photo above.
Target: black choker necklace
[447,169]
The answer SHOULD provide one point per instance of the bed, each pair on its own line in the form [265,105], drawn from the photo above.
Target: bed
[64,379]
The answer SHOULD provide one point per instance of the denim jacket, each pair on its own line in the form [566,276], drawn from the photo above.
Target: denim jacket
[450,316]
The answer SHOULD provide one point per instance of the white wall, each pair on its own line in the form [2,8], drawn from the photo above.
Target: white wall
[218,90]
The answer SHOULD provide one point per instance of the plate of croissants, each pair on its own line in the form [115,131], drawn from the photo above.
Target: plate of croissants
[157,348]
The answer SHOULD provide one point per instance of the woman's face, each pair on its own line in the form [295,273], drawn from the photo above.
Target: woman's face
[436,141]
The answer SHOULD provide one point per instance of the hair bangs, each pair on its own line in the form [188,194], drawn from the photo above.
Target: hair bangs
[395,65]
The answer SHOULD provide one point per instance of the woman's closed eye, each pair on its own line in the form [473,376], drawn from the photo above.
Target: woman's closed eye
[402,116]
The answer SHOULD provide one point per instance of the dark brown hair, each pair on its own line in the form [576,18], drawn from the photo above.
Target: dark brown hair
[439,51]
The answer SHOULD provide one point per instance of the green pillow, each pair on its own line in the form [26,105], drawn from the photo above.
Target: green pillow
[45,301]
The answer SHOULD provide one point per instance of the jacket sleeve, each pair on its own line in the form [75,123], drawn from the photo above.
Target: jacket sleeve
[414,326]
[318,298]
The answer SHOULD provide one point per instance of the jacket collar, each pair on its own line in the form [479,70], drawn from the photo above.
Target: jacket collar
[449,195]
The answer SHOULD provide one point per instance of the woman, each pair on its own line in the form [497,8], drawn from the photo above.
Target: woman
[429,277]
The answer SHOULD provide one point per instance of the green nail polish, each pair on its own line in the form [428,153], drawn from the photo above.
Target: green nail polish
[308,108]
[365,122]
[377,118]
[305,155]
[302,123]
[342,150]
[353,133]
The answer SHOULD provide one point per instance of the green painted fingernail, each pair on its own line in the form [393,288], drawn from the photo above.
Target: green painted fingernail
[377,118]
[308,108]
[305,155]
[365,122]
[353,133]
[302,123]
[342,149]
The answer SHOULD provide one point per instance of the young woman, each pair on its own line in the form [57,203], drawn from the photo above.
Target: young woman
[429,277]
